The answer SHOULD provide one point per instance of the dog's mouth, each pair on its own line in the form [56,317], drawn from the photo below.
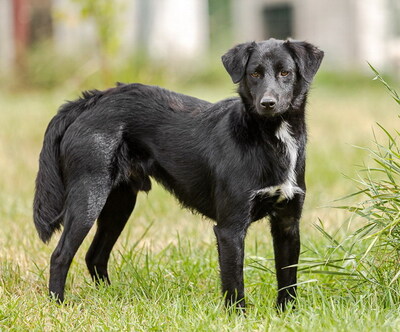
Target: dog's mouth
[271,111]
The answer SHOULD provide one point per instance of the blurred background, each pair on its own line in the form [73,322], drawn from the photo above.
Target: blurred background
[44,43]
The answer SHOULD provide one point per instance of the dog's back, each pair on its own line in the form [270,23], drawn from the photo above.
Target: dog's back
[156,110]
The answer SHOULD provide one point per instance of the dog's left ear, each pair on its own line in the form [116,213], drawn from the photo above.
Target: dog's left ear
[235,60]
[307,57]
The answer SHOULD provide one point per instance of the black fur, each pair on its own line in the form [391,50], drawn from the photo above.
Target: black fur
[235,161]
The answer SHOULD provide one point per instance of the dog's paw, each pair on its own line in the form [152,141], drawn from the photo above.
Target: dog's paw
[238,307]
[285,301]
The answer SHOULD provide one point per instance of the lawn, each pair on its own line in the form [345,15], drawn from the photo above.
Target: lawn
[164,267]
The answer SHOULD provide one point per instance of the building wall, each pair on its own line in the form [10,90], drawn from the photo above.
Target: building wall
[71,34]
[350,32]
[7,46]
[331,26]
[373,32]
[167,29]
[179,29]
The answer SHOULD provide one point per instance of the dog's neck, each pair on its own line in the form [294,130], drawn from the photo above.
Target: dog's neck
[295,116]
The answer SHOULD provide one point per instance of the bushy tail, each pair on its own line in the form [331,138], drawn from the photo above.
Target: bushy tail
[48,202]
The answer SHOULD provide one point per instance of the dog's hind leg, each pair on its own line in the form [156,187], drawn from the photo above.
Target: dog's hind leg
[82,207]
[110,224]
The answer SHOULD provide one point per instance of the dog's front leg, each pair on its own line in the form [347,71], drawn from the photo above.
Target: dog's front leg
[230,241]
[286,237]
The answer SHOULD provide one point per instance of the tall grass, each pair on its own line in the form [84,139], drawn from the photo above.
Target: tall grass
[368,258]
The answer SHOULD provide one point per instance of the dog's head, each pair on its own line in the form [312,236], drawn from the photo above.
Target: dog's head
[274,75]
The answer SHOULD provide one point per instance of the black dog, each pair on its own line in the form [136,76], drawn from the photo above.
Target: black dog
[235,161]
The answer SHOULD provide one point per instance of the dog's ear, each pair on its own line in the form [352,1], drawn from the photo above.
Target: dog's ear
[235,60]
[307,57]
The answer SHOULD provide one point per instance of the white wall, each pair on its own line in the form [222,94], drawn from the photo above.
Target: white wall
[179,29]
[373,32]
[169,29]
[330,25]
[7,47]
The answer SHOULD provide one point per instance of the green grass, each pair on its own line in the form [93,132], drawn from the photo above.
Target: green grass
[164,267]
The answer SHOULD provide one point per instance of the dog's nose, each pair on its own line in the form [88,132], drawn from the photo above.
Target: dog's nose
[268,102]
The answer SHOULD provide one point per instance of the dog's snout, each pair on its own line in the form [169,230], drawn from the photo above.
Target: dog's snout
[268,102]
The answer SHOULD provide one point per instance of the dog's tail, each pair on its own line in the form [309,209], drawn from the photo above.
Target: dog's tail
[48,202]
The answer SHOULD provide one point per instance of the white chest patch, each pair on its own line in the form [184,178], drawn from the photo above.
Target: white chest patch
[288,188]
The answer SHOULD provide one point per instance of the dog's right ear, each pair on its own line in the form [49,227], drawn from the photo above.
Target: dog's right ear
[235,60]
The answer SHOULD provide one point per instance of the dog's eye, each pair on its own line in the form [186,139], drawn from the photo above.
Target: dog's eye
[284,73]
[256,74]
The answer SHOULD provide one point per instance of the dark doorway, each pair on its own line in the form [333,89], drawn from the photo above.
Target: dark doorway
[278,21]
